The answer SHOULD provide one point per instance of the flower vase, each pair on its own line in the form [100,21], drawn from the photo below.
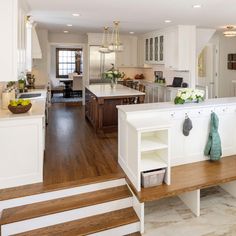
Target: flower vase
[113,82]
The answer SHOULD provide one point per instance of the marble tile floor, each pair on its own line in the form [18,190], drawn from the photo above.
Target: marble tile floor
[170,217]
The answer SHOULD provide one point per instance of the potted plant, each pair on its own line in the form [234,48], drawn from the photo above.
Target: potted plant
[188,95]
[21,82]
[113,74]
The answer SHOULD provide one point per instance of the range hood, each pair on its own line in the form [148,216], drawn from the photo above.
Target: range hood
[36,49]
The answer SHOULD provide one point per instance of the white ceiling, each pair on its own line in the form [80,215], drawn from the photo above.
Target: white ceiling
[139,16]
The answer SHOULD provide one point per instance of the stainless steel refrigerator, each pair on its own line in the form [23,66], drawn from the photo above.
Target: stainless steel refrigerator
[99,62]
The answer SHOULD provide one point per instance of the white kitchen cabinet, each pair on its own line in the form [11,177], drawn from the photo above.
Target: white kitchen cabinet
[8,45]
[180,47]
[22,151]
[13,39]
[22,143]
[128,57]
[154,47]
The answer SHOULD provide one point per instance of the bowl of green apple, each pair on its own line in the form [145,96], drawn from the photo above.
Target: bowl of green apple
[19,106]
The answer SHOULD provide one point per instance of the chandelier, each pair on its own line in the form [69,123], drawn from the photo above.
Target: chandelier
[105,45]
[230,32]
[116,45]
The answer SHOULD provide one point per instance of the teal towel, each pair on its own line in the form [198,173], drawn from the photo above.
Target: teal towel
[213,146]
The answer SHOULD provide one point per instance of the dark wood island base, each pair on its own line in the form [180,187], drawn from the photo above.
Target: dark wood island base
[101,110]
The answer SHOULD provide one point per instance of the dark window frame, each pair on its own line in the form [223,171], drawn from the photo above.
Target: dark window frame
[77,64]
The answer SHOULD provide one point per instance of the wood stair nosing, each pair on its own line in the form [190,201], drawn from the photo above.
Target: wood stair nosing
[41,188]
[44,208]
[88,225]
[134,234]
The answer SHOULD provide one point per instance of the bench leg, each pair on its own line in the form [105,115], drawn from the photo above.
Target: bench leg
[192,201]
[230,188]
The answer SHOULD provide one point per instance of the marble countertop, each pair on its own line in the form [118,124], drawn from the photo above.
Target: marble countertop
[171,106]
[105,90]
[37,109]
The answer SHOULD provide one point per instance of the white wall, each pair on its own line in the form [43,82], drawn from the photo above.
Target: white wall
[53,78]
[227,45]
[41,66]
[65,41]
[67,38]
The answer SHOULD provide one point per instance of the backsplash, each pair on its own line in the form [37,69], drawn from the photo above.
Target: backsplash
[149,73]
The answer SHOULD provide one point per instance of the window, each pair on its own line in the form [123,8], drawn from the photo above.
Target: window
[68,60]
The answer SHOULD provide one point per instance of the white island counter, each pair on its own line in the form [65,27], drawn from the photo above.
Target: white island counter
[105,90]
[22,143]
[151,135]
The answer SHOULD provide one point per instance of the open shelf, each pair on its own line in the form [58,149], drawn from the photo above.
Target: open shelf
[150,143]
[151,161]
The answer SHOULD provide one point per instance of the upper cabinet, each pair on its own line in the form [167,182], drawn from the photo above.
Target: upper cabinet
[8,45]
[128,57]
[154,48]
[174,47]
[13,39]
[180,47]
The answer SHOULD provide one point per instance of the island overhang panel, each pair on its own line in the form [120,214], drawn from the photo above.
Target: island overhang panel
[135,119]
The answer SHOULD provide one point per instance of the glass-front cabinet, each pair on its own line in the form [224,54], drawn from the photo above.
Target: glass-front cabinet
[154,48]
[146,50]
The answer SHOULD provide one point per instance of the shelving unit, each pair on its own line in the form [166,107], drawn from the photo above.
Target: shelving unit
[152,161]
[147,149]
[152,141]
[154,151]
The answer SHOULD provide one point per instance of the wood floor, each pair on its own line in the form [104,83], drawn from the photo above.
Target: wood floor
[73,150]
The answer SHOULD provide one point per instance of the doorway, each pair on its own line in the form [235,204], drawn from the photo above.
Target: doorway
[208,66]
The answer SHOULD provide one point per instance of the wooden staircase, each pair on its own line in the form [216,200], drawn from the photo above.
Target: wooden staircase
[102,212]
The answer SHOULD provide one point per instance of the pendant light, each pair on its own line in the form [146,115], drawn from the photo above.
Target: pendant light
[104,47]
[116,45]
[230,32]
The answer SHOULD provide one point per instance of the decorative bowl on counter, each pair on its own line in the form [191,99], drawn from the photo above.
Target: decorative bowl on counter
[19,106]
[20,109]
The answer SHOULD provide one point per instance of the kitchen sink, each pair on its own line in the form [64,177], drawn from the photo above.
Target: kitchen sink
[30,95]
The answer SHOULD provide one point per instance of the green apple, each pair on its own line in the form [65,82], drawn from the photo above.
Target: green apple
[14,103]
[20,101]
[24,103]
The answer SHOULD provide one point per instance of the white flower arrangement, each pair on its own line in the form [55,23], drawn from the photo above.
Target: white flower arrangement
[113,73]
[189,95]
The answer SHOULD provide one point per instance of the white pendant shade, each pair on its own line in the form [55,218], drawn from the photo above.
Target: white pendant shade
[116,47]
[230,32]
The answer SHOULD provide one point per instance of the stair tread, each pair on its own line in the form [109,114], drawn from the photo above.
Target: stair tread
[88,225]
[53,206]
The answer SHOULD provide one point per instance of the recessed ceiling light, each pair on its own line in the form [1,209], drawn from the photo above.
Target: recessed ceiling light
[75,14]
[69,25]
[168,21]
[66,31]
[197,6]
[131,32]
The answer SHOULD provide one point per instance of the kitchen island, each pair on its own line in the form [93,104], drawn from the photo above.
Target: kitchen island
[101,101]
[22,143]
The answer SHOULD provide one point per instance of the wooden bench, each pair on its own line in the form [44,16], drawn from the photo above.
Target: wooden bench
[187,181]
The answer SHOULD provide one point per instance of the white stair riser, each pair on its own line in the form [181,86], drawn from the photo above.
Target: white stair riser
[119,231]
[65,216]
[60,193]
